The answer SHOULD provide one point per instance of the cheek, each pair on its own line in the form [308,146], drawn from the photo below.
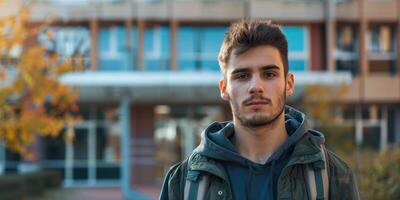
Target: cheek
[238,92]
[276,90]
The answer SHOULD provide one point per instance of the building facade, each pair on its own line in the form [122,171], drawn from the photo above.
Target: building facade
[151,73]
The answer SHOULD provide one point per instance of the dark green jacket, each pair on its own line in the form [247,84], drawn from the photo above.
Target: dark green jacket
[291,183]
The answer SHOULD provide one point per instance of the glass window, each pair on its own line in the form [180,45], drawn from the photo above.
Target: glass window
[12,161]
[346,53]
[198,47]
[114,53]
[54,148]
[156,48]
[210,46]
[187,43]
[381,49]
[298,48]
[108,138]
[67,42]
[381,39]
[346,38]
[177,132]
[297,64]
[296,37]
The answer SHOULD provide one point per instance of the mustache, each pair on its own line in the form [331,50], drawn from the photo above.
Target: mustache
[256,97]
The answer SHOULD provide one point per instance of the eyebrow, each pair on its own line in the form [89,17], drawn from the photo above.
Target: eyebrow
[270,67]
[264,68]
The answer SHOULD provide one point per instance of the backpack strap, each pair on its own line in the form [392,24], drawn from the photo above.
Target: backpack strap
[196,185]
[317,178]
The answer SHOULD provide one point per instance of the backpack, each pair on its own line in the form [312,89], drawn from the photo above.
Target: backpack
[317,179]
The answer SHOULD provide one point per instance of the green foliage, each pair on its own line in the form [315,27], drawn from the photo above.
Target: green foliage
[377,174]
[21,186]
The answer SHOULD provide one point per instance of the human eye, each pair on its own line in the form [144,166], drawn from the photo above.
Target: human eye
[270,74]
[241,76]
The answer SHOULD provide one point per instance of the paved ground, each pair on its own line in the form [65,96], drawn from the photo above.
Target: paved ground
[92,194]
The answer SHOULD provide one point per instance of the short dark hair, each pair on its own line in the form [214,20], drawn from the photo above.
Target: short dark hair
[246,34]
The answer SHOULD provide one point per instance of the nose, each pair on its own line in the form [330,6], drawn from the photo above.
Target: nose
[256,86]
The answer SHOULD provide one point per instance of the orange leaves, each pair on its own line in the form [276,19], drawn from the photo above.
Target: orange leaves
[34,103]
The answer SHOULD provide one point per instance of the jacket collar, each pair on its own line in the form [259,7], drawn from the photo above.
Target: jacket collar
[198,162]
[306,151]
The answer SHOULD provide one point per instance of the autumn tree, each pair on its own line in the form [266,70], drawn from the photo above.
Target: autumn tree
[33,102]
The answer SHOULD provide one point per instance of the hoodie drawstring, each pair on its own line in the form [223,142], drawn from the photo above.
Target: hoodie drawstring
[249,180]
[273,178]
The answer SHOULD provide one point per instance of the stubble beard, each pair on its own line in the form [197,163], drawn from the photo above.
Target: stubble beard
[260,120]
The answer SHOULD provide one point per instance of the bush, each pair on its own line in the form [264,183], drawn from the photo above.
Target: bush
[17,186]
[377,173]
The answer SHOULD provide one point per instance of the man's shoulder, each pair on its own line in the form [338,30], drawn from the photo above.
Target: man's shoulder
[195,162]
[343,184]
[337,164]
[340,173]
[178,170]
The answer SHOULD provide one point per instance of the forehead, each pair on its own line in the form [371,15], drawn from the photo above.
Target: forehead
[256,57]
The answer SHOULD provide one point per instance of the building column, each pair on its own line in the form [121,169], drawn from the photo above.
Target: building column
[359,125]
[331,35]
[141,27]
[384,129]
[363,51]
[315,43]
[174,27]
[94,28]
[398,44]
[126,149]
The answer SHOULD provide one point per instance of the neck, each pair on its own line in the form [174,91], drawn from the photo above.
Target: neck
[259,143]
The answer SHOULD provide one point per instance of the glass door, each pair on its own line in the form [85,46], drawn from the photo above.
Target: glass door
[80,162]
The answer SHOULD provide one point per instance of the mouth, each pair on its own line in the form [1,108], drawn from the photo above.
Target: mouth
[256,103]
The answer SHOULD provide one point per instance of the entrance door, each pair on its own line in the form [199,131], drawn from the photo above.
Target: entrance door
[80,163]
[92,159]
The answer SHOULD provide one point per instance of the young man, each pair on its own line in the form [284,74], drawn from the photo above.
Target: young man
[267,152]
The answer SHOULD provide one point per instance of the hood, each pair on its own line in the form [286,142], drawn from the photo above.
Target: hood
[216,138]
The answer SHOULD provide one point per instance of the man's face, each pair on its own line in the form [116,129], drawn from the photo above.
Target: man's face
[256,87]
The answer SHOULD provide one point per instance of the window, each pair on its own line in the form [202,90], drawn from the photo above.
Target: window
[381,48]
[346,52]
[198,47]
[114,52]
[177,132]
[380,39]
[67,42]
[297,38]
[156,48]
[346,39]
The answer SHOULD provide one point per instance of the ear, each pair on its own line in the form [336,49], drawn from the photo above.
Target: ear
[289,84]
[222,90]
